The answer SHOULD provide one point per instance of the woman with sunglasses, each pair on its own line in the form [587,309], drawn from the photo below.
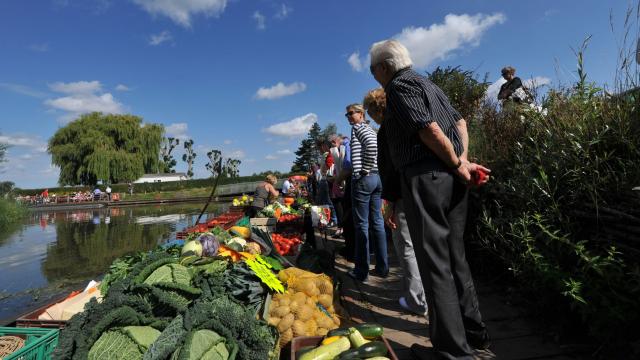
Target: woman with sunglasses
[366,191]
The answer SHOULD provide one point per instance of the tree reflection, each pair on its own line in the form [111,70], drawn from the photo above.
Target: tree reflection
[86,249]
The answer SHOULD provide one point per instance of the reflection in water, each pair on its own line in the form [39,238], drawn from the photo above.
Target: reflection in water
[55,252]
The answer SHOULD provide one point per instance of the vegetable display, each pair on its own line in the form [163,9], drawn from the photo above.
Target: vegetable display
[167,307]
[306,308]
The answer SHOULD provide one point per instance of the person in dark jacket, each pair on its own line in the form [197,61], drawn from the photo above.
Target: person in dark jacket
[512,90]
[414,299]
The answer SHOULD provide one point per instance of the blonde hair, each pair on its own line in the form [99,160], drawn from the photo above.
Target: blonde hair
[356,107]
[375,102]
[375,98]
[508,70]
[272,179]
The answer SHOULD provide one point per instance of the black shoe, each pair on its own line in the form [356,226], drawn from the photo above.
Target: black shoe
[381,274]
[422,352]
[479,339]
[353,275]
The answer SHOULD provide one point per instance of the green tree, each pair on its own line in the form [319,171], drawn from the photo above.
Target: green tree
[464,90]
[108,147]
[6,187]
[307,154]
[229,169]
[189,157]
[168,163]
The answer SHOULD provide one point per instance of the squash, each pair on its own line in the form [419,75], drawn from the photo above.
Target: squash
[356,338]
[328,352]
[241,231]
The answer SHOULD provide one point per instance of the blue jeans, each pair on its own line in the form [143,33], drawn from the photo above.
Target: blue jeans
[325,199]
[365,195]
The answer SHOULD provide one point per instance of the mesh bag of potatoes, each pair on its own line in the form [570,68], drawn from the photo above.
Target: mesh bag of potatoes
[306,308]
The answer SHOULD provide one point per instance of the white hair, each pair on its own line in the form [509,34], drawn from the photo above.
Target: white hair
[391,52]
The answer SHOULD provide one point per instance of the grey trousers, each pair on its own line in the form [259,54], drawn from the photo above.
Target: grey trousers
[412,283]
[436,208]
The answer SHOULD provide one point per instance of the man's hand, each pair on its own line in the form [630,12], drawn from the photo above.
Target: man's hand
[466,171]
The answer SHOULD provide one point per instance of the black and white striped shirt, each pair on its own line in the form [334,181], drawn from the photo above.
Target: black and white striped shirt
[364,148]
[413,102]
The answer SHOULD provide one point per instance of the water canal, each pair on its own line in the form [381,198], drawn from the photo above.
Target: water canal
[52,253]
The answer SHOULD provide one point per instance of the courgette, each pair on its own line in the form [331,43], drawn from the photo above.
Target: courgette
[372,349]
[327,352]
[351,354]
[338,332]
[303,350]
[368,330]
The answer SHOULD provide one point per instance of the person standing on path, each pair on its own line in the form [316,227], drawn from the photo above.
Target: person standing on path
[366,191]
[108,191]
[413,301]
[428,143]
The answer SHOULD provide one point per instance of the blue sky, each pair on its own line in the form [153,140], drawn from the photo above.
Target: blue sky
[250,77]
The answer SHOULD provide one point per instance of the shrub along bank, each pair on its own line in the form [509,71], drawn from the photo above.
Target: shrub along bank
[10,213]
[560,213]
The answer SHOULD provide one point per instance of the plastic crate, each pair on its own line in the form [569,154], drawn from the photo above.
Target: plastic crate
[299,342]
[39,343]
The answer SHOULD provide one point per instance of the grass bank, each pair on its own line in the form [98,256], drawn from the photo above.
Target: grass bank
[10,213]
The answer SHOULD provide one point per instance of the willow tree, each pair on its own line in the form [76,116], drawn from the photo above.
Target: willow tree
[107,147]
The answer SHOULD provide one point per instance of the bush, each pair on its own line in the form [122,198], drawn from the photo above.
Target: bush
[10,213]
[560,212]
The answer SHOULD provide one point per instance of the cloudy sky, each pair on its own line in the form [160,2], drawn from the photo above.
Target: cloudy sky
[250,77]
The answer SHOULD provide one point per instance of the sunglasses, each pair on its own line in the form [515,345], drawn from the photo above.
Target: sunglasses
[372,68]
[350,113]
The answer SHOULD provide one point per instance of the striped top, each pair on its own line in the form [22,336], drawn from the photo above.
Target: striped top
[413,102]
[364,149]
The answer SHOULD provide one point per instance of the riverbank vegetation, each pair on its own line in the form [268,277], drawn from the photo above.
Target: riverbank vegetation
[560,221]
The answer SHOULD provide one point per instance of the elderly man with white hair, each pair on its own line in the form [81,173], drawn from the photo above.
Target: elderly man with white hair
[428,142]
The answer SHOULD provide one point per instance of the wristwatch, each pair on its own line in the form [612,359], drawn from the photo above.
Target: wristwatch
[456,166]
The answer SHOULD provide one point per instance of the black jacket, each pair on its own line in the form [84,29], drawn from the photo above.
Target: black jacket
[391,186]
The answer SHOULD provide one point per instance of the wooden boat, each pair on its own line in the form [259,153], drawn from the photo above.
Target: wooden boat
[225,220]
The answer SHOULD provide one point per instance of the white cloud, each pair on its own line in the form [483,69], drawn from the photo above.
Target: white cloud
[227,142]
[177,130]
[439,41]
[122,87]
[271,157]
[284,152]
[293,128]
[260,20]
[536,82]
[82,97]
[21,140]
[79,87]
[235,154]
[182,11]
[44,47]
[355,62]
[23,90]
[280,90]
[26,157]
[283,12]
[492,91]
[157,39]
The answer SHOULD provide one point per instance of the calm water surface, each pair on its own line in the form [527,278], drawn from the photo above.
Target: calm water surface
[52,253]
